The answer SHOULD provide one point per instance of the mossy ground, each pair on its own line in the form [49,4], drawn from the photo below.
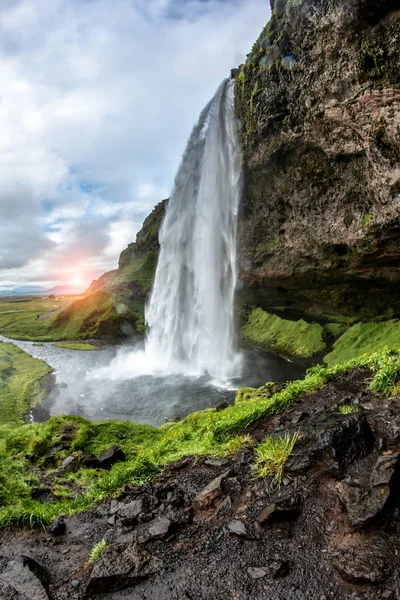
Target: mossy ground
[24,461]
[364,338]
[20,383]
[289,338]
[82,347]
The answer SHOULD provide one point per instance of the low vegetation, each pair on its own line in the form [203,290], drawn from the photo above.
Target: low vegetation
[364,338]
[97,551]
[83,347]
[272,455]
[289,338]
[29,458]
[21,387]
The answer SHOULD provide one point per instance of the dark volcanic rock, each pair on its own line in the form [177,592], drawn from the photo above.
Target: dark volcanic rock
[212,491]
[121,566]
[90,461]
[366,501]
[58,527]
[42,494]
[368,562]
[274,513]
[18,582]
[129,513]
[68,465]
[111,456]
[159,528]
[336,440]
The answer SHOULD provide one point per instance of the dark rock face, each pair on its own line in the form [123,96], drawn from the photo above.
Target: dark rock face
[121,567]
[111,456]
[18,581]
[319,106]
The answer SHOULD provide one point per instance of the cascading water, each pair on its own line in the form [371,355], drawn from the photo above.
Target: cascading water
[190,313]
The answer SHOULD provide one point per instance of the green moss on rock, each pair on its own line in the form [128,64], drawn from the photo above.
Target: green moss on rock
[364,338]
[289,338]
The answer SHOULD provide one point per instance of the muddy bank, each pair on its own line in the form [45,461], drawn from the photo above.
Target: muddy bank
[212,530]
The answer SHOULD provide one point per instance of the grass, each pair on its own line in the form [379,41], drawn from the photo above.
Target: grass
[149,450]
[347,409]
[84,347]
[272,455]
[97,551]
[364,338]
[20,383]
[289,338]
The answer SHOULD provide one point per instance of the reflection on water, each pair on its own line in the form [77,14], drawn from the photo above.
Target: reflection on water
[82,389]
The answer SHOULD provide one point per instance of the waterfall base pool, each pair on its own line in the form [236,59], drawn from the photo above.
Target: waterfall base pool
[141,399]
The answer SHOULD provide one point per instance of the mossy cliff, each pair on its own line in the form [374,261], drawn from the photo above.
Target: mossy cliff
[319,107]
[114,305]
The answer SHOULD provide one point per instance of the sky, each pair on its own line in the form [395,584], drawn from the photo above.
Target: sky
[97,100]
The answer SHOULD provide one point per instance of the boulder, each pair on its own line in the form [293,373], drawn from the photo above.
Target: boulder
[18,581]
[111,456]
[238,528]
[68,465]
[89,461]
[128,513]
[58,526]
[366,501]
[367,562]
[212,491]
[120,567]
[42,494]
[277,512]
[159,528]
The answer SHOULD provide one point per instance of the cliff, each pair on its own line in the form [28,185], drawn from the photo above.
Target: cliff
[113,307]
[318,102]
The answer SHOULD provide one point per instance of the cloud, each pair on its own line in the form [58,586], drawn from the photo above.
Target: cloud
[95,109]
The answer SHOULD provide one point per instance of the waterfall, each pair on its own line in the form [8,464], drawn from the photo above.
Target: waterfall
[190,314]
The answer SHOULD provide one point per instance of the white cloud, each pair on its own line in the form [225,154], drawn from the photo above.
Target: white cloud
[97,100]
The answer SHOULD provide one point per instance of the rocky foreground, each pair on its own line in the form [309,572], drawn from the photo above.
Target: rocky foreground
[212,530]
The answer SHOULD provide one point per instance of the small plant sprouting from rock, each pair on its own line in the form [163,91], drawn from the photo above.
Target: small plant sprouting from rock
[272,455]
[97,551]
[366,220]
[347,409]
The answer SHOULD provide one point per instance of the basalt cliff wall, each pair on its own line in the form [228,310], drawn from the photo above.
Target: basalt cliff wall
[318,101]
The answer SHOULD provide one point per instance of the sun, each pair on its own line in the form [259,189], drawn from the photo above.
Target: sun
[76,279]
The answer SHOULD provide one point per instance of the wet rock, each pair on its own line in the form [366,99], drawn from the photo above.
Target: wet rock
[89,461]
[58,526]
[111,456]
[111,520]
[256,572]
[225,508]
[278,568]
[120,567]
[298,417]
[298,463]
[216,462]
[367,562]
[19,582]
[275,513]
[129,513]
[221,407]
[159,528]
[68,465]
[114,507]
[42,494]
[212,491]
[336,440]
[237,528]
[366,502]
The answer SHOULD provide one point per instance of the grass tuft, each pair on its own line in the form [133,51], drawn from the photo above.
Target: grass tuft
[272,455]
[97,551]
[347,409]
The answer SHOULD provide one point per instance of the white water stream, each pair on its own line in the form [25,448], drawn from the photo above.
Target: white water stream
[190,313]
